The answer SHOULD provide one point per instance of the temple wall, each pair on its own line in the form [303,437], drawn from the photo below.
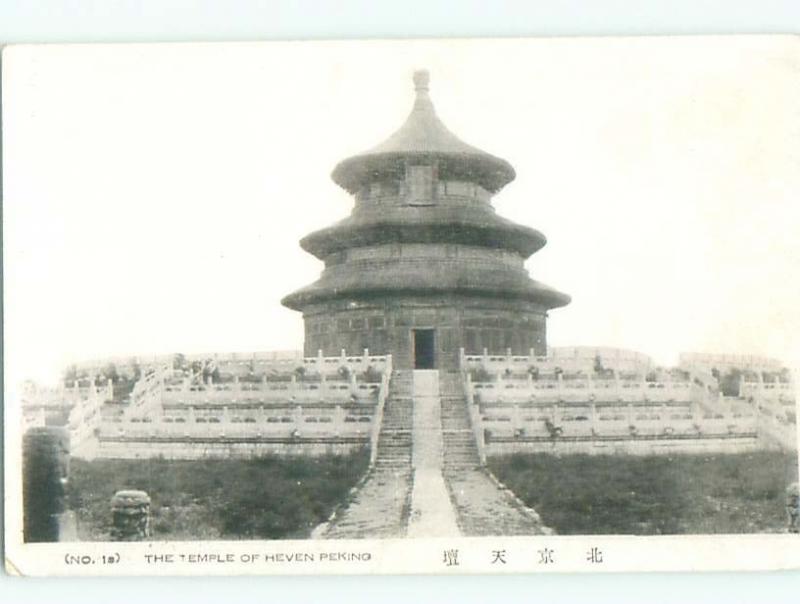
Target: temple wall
[385,327]
[452,255]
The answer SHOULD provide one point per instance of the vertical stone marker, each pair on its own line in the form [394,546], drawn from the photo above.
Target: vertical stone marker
[130,511]
[45,467]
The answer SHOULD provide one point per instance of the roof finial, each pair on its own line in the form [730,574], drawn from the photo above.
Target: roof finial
[421,80]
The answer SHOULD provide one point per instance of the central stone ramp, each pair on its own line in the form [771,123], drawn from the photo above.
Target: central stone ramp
[483,505]
[432,513]
[379,506]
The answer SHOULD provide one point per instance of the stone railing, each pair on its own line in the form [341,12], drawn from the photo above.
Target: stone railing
[65,397]
[475,420]
[146,393]
[629,421]
[502,363]
[292,392]
[767,391]
[288,357]
[354,363]
[288,422]
[578,390]
[383,393]
[243,363]
[33,418]
[329,396]
[779,426]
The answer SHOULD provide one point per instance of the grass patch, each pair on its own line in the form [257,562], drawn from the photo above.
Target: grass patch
[655,495]
[266,498]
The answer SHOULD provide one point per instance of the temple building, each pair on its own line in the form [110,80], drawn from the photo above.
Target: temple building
[424,266]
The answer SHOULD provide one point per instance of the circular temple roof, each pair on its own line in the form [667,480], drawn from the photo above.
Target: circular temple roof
[437,225]
[423,136]
[430,279]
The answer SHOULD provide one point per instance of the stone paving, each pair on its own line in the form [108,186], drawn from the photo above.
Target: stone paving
[432,513]
[485,508]
[379,508]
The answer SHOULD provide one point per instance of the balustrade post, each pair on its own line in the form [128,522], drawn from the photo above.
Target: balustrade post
[697,412]
[338,420]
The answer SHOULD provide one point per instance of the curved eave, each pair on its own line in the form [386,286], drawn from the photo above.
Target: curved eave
[490,172]
[361,288]
[493,232]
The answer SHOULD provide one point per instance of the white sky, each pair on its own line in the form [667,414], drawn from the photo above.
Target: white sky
[155,194]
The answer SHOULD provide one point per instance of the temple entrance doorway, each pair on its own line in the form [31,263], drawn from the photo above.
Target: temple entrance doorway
[424,352]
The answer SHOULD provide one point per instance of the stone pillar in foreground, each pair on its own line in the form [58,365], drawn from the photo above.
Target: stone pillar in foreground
[45,466]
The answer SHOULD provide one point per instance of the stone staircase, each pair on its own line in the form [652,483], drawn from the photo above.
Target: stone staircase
[460,449]
[483,505]
[394,440]
[379,506]
[385,504]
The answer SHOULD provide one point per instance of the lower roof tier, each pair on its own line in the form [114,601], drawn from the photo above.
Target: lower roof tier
[425,224]
[434,279]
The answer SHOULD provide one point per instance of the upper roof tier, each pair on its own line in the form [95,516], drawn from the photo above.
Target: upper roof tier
[424,136]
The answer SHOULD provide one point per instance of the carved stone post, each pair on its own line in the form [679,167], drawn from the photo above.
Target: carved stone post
[130,511]
[793,507]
